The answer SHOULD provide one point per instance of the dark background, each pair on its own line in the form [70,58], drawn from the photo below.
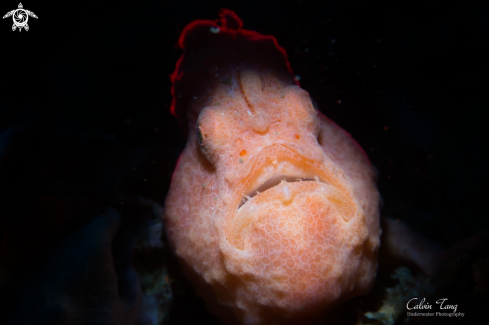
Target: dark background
[85,95]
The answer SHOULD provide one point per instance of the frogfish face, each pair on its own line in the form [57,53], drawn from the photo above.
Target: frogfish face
[273,209]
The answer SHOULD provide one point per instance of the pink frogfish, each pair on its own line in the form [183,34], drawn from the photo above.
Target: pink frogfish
[273,211]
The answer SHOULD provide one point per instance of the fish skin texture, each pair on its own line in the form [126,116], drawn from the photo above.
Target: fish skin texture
[273,210]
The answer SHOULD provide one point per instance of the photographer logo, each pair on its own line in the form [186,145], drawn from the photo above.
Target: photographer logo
[20,17]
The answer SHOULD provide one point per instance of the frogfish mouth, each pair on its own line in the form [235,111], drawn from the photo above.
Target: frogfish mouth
[273,210]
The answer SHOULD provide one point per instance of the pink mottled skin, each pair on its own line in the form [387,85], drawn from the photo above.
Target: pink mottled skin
[273,210]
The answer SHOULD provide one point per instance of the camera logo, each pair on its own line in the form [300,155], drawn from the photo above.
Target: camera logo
[20,17]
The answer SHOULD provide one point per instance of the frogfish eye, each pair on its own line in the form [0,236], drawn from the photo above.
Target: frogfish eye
[200,138]
[315,105]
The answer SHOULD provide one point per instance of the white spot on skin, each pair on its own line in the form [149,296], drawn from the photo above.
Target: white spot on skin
[260,123]
[287,193]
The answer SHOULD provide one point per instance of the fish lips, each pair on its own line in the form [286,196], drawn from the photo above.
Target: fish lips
[278,175]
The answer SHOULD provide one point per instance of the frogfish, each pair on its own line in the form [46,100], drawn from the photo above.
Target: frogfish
[273,209]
